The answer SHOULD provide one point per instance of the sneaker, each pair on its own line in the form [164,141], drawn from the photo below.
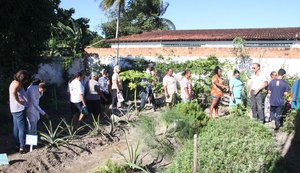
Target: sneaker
[22,151]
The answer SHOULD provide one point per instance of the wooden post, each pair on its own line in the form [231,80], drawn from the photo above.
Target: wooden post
[195,153]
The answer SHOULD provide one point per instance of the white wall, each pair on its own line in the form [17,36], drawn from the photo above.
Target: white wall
[226,44]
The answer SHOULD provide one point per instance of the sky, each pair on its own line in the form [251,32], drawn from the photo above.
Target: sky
[208,14]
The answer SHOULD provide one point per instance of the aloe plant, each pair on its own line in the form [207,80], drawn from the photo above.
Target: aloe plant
[52,137]
[71,130]
[96,128]
[133,160]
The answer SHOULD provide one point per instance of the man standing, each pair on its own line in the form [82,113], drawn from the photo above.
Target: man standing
[170,88]
[257,84]
[146,92]
[278,88]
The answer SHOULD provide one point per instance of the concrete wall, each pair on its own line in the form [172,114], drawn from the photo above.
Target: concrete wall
[270,58]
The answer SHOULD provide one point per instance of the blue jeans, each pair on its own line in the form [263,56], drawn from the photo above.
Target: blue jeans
[19,120]
[276,113]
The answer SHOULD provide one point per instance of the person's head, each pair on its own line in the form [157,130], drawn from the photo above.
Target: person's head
[150,67]
[236,73]
[218,71]
[117,69]
[94,75]
[42,87]
[78,76]
[104,72]
[255,67]
[281,72]
[187,73]
[22,76]
[170,72]
[273,75]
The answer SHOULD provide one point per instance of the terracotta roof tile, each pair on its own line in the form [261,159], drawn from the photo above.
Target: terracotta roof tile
[214,35]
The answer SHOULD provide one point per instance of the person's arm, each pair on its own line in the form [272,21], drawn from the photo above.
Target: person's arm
[81,87]
[216,82]
[15,88]
[34,97]
[165,88]
[232,94]
[116,83]
[264,85]
[186,92]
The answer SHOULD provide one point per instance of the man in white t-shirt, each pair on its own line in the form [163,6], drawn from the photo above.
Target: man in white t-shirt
[170,87]
[257,83]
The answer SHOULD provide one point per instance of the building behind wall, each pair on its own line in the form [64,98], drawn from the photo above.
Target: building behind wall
[272,47]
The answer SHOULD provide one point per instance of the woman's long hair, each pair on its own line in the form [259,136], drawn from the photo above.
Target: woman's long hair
[76,75]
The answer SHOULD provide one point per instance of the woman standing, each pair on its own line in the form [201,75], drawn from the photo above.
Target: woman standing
[34,93]
[236,87]
[216,91]
[116,85]
[17,103]
[267,111]
[104,84]
[78,105]
[92,95]
[186,87]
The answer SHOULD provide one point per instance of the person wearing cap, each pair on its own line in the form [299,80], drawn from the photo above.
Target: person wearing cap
[34,92]
[92,94]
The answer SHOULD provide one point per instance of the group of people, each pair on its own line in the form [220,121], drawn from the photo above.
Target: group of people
[87,97]
[24,106]
[273,106]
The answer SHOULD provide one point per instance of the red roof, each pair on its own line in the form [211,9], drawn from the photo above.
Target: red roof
[214,35]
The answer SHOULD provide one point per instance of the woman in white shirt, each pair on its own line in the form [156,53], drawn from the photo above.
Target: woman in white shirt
[78,105]
[18,103]
[34,93]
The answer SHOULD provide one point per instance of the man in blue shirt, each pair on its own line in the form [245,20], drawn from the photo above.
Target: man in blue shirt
[278,88]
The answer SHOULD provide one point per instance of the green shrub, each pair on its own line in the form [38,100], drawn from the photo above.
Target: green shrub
[291,121]
[234,144]
[110,167]
[185,119]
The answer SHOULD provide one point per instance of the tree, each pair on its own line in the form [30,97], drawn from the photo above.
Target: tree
[120,4]
[138,16]
[25,28]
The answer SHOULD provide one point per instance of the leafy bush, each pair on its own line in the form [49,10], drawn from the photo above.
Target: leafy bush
[239,110]
[186,119]
[291,121]
[234,144]
[110,167]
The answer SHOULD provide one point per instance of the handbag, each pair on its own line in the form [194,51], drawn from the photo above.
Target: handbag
[120,97]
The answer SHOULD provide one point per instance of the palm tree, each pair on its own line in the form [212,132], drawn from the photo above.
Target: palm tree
[154,9]
[120,4]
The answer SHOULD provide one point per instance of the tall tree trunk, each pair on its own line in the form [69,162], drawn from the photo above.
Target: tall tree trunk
[117,31]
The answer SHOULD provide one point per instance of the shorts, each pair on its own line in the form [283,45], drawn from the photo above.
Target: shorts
[76,108]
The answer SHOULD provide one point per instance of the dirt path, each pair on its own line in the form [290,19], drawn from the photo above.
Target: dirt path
[82,157]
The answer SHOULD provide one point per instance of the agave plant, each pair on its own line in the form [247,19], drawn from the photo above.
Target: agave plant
[96,128]
[133,160]
[53,136]
[71,130]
